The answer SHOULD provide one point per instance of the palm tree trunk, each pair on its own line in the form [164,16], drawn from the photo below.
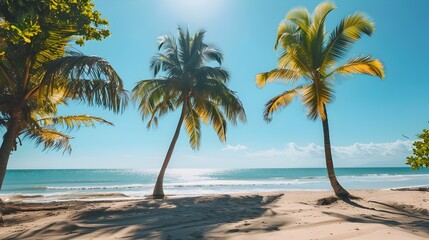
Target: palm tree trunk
[158,191]
[338,189]
[7,146]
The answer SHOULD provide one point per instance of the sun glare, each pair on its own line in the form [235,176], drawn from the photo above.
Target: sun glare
[193,10]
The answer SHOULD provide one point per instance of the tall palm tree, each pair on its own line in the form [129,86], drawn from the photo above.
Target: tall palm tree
[36,77]
[189,82]
[309,60]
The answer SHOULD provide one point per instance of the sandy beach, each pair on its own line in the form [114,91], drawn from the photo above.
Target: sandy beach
[380,214]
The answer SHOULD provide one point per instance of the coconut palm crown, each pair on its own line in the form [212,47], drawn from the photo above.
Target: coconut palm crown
[191,83]
[310,60]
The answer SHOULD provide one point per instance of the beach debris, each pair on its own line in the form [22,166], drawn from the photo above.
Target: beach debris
[422,189]
[327,200]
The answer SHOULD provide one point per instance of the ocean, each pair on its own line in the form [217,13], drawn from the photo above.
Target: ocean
[61,184]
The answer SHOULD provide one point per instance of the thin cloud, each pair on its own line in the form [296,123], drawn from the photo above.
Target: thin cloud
[234,148]
[292,150]
[358,154]
[375,150]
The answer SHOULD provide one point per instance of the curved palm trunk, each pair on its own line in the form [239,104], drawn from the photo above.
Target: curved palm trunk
[7,146]
[158,191]
[338,189]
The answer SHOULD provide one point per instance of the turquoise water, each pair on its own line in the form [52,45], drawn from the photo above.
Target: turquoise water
[137,183]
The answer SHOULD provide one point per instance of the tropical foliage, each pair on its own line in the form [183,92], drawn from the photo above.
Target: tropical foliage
[310,60]
[32,21]
[37,73]
[420,157]
[189,82]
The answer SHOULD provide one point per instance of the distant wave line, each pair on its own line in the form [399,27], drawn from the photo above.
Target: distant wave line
[173,185]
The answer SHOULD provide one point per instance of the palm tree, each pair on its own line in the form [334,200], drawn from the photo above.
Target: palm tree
[192,84]
[37,77]
[310,60]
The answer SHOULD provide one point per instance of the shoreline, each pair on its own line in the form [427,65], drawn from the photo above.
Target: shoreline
[274,215]
[118,196]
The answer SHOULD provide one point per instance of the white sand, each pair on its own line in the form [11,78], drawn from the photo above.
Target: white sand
[381,214]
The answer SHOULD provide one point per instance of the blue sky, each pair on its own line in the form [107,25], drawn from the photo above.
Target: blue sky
[367,119]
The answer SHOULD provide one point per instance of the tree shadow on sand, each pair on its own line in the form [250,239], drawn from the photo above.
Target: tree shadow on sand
[408,217]
[181,218]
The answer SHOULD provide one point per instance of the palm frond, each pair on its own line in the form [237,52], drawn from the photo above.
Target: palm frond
[155,97]
[87,78]
[53,47]
[316,35]
[193,127]
[212,54]
[205,72]
[346,33]
[277,75]
[164,62]
[50,139]
[159,110]
[167,42]
[144,87]
[301,17]
[168,60]
[286,34]
[70,122]
[315,96]
[196,49]
[320,13]
[210,113]
[296,59]
[226,99]
[280,101]
[184,45]
[361,65]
